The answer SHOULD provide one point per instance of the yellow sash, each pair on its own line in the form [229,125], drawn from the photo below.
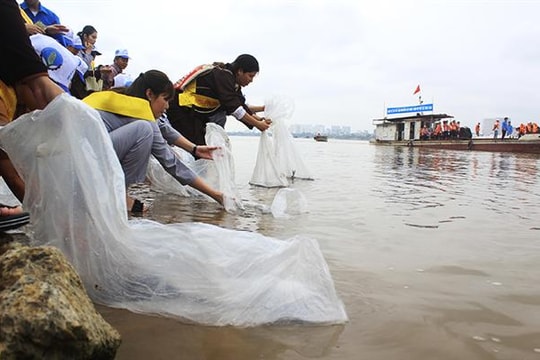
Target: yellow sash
[9,98]
[25,17]
[189,98]
[120,104]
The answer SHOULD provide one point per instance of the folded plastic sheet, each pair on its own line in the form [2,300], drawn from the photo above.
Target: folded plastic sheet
[278,159]
[194,272]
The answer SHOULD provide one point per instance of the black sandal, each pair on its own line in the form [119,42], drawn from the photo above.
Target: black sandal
[137,207]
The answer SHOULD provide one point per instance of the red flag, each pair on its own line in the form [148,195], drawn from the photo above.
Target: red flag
[417,90]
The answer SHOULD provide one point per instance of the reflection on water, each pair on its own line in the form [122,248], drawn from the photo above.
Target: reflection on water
[435,254]
[171,339]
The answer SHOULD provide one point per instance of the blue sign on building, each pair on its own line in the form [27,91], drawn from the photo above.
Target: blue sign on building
[408,109]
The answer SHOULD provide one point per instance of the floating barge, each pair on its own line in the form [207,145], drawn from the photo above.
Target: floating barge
[405,131]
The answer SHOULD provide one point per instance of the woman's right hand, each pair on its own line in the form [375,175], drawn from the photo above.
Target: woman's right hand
[205,151]
[263,125]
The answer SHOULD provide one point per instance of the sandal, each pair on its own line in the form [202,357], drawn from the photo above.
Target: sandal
[137,207]
[10,222]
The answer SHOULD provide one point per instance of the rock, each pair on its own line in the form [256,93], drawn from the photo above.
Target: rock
[45,312]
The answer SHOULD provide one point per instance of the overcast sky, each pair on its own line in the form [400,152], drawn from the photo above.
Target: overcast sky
[342,62]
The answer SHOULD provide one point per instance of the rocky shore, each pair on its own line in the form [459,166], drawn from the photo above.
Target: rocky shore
[45,312]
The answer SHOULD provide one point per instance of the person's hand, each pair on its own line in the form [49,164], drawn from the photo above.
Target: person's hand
[33,29]
[205,152]
[56,29]
[263,125]
[105,69]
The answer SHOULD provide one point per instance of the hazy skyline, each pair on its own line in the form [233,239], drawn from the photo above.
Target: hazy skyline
[342,62]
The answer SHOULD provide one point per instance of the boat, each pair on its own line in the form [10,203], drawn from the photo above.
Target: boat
[405,131]
[321,138]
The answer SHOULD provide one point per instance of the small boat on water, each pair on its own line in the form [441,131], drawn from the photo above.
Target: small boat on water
[321,138]
[406,130]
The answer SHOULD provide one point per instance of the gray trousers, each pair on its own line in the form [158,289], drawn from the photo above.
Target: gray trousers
[132,141]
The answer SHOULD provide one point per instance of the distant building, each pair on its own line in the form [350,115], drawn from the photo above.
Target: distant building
[309,130]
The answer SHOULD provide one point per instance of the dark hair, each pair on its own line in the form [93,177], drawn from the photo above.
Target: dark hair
[154,80]
[246,62]
[87,30]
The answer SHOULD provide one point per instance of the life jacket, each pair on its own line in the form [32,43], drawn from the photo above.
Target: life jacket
[120,104]
[188,86]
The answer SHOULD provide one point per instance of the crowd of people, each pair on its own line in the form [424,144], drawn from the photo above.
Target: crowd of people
[447,130]
[44,59]
[443,131]
[509,131]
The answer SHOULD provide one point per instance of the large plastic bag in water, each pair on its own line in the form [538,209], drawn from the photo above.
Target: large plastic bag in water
[280,110]
[195,272]
[278,158]
[267,172]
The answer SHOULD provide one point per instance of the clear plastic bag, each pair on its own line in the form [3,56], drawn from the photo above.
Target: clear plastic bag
[195,272]
[218,173]
[278,158]
[288,202]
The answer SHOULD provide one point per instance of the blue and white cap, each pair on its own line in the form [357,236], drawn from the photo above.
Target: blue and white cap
[70,39]
[123,53]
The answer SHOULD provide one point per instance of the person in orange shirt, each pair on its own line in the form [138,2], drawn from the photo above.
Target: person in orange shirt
[477,129]
[453,128]
[522,130]
[495,129]
[446,130]
[437,132]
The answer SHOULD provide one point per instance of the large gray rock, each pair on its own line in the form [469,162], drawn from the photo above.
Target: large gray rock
[45,312]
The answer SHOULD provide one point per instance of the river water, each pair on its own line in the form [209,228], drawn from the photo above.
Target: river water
[436,255]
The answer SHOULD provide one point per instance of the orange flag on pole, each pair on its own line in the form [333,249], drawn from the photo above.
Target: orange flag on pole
[417,90]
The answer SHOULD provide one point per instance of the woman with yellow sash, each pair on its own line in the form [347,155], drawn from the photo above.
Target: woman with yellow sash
[130,118]
[211,92]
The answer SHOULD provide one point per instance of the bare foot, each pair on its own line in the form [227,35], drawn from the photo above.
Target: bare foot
[6,210]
